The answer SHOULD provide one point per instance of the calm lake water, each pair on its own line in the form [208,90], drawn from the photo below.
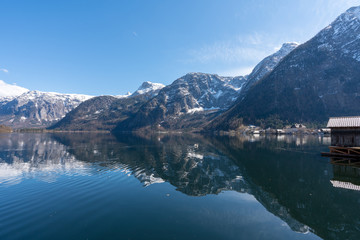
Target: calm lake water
[99,186]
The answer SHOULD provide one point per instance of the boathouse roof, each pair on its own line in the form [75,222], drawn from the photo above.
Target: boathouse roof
[344,122]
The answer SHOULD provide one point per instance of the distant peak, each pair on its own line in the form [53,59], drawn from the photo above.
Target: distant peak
[288,47]
[285,49]
[148,87]
[148,84]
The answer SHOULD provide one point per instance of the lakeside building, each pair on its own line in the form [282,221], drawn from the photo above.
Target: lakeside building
[345,131]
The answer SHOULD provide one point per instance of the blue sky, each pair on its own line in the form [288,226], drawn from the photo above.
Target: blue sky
[111,47]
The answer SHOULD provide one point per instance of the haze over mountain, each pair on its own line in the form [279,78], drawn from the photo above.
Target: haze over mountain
[318,79]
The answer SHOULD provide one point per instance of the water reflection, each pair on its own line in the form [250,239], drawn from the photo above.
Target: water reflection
[190,163]
[299,179]
[34,156]
[346,177]
[285,174]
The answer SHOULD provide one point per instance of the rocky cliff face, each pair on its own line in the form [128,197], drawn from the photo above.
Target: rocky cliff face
[318,79]
[37,109]
[191,94]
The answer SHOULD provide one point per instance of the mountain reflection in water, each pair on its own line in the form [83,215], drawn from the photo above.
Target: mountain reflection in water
[34,155]
[285,174]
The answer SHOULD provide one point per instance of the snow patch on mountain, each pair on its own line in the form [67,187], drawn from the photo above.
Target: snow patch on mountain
[194,110]
[128,94]
[50,97]
[343,33]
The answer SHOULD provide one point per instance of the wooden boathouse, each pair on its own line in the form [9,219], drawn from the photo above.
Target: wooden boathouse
[345,131]
[345,140]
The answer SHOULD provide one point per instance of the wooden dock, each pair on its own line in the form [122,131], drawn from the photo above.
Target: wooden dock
[335,151]
[343,155]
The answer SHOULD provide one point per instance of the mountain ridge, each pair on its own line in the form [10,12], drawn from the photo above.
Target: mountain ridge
[189,94]
[37,109]
[104,112]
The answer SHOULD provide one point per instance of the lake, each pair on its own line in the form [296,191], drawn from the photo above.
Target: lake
[179,186]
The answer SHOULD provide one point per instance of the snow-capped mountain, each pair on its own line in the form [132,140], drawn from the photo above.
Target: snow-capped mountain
[267,65]
[8,91]
[316,80]
[200,91]
[194,92]
[37,109]
[343,34]
[147,87]
[103,112]
[298,83]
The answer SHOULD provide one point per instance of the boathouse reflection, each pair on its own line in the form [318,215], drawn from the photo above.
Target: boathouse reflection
[346,177]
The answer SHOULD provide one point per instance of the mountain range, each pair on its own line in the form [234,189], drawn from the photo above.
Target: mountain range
[299,83]
[190,102]
[35,108]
